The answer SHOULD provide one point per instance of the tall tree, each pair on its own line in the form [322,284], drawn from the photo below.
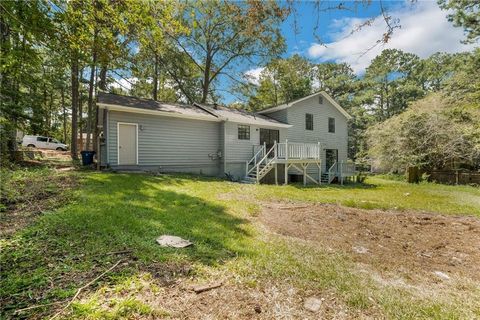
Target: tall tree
[282,80]
[337,79]
[390,83]
[223,33]
[24,27]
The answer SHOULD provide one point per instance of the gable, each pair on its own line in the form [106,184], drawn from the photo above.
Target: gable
[311,98]
[312,105]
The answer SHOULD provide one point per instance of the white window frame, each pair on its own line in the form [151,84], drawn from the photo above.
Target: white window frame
[118,140]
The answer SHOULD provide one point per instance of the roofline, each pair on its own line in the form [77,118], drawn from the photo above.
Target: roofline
[116,107]
[205,109]
[272,124]
[214,118]
[290,104]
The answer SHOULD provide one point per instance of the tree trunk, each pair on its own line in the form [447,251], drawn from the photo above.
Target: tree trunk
[74,76]
[102,83]
[155,79]
[206,78]
[90,98]
[64,116]
[80,113]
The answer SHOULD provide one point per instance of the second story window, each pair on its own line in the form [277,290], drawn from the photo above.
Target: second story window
[243,132]
[320,99]
[331,125]
[308,121]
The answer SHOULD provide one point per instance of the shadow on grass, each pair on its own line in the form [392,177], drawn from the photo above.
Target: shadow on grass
[113,212]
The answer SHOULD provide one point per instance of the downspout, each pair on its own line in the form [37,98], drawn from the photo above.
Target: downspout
[107,137]
[224,147]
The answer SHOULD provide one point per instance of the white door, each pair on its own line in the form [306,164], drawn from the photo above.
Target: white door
[127,144]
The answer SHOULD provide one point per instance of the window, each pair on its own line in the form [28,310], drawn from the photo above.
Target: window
[42,139]
[320,99]
[308,121]
[243,132]
[331,125]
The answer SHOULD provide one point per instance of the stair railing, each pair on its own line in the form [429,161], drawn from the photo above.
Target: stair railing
[259,154]
[332,172]
[268,161]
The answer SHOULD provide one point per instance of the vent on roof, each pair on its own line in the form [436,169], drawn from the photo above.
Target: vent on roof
[215,106]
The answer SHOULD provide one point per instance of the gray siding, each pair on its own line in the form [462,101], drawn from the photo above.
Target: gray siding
[170,144]
[239,151]
[281,115]
[321,113]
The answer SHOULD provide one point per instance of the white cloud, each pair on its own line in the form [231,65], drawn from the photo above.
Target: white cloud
[253,75]
[424,31]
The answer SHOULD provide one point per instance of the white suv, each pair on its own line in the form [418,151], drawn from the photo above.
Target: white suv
[43,143]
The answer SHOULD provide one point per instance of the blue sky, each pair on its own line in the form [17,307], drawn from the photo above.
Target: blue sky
[424,31]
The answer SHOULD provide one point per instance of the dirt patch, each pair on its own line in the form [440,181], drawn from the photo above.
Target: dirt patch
[30,198]
[230,301]
[431,247]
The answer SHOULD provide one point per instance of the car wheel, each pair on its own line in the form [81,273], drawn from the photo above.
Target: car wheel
[60,149]
[31,146]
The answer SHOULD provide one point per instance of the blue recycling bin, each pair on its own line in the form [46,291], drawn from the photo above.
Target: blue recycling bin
[87,157]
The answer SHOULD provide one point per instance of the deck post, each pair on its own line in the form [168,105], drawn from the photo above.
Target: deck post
[341,172]
[304,166]
[246,169]
[286,173]
[286,149]
[258,172]
[276,174]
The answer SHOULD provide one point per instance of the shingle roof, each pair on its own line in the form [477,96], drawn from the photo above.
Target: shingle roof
[241,116]
[152,105]
[201,111]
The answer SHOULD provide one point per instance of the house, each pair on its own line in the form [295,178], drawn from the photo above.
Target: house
[305,139]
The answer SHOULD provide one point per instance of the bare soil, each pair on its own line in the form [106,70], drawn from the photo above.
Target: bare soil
[37,194]
[416,246]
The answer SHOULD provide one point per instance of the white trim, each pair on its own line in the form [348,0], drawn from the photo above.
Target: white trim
[323,93]
[118,140]
[115,107]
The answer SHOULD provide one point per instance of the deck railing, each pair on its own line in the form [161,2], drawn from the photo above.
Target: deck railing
[293,150]
[346,168]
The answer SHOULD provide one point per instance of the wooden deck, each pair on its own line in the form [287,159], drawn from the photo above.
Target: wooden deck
[299,156]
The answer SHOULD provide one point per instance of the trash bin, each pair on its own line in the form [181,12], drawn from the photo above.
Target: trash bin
[87,157]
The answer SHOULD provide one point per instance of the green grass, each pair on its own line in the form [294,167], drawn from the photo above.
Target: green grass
[381,193]
[114,212]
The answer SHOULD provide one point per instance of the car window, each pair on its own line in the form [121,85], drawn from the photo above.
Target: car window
[42,139]
[54,141]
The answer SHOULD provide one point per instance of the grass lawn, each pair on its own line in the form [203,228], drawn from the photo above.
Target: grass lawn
[112,217]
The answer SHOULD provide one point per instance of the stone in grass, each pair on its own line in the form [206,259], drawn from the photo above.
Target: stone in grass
[442,275]
[312,304]
[360,249]
[173,241]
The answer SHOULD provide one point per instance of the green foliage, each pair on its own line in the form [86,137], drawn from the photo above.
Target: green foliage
[281,81]
[432,134]
[390,83]
[466,14]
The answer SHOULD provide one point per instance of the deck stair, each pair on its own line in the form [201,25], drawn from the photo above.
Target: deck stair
[296,156]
